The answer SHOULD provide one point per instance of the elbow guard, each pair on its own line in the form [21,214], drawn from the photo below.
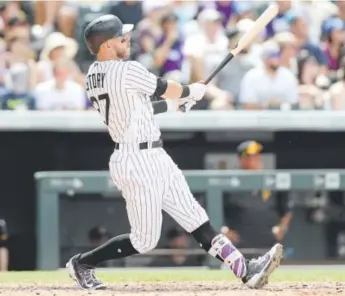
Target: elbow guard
[161,88]
[160,107]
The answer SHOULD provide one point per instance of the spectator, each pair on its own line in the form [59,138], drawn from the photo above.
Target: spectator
[17,26]
[150,31]
[227,9]
[243,10]
[333,47]
[310,95]
[128,11]
[260,218]
[186,11]
[279,23]
[228,81]
[337,92]
[206,49]
[8,11]
[316,12]
[58,46]
[20,76]
[341,9]
[60,93]
[177,240]
[298,27]
[3,246]
[64,14]
[288,50]
[98,235]
[270,85]
[4,61]
[168,56]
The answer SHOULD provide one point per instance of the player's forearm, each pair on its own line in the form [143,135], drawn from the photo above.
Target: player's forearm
[285,221]
[164,106]
[175,90]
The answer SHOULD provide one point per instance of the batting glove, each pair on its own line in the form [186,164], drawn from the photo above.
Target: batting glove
[197,91]
[187,104]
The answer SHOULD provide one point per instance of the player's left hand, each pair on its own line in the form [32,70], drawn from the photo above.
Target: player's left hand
[197,91]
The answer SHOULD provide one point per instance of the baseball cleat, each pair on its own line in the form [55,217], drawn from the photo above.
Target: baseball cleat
[259,269]
[83,275]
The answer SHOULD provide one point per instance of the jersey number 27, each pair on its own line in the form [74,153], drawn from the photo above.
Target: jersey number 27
[102,99]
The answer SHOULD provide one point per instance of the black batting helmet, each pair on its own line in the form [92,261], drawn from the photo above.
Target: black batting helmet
[102,29]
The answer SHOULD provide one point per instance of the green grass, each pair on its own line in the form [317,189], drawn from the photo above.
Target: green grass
[61,277]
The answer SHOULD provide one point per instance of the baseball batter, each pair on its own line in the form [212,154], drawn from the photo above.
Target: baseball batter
[148,179]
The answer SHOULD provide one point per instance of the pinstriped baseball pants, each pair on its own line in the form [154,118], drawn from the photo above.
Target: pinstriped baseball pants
[150,182]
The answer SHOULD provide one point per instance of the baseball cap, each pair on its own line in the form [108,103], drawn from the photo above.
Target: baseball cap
[249,148]
[210,15]
[285,38]
[149,6]
[333,24]
[270,49]
[244,25]
[293,15]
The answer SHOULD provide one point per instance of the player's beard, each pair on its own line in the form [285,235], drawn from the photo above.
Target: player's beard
[273,67]
[125,53]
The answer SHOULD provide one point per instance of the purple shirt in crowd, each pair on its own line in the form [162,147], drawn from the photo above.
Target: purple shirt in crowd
[278,24]
[333,62]
[226,9]
[175,58]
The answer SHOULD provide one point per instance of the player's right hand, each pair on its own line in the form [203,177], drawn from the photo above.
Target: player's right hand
[197,91]
[187,104]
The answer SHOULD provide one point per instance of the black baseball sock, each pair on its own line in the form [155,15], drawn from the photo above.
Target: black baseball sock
[115,248]
[204,236]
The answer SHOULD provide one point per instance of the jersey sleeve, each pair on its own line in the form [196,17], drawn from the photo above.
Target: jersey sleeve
[139,79]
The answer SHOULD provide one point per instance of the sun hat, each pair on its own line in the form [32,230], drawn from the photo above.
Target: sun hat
[55,40]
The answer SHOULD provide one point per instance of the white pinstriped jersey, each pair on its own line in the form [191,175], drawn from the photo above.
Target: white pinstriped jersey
[120,91]
[148,179]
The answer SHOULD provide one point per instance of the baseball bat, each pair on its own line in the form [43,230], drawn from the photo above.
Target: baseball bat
[265,18]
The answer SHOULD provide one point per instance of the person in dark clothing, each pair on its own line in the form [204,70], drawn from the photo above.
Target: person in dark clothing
[3,246]
[178,239]
[129,11]
[260,218]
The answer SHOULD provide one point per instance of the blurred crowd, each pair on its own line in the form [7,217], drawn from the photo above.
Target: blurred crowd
[298,62]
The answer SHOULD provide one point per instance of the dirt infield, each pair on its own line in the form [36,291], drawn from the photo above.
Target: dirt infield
[179,289]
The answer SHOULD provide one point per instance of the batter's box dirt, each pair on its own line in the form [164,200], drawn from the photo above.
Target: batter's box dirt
[179,289]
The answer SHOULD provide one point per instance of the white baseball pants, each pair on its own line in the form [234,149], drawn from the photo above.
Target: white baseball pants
[151,182]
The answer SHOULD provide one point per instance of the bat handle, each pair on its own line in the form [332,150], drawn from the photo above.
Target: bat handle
[226,60]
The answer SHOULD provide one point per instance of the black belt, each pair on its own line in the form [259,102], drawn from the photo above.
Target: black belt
[145,145]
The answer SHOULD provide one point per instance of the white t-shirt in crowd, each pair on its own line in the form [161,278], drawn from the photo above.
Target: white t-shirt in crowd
[257,87]
[71,97]
[197,45]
